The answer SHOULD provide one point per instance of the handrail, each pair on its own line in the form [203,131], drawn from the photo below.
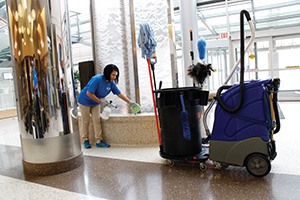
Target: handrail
[5,24]
[3,20]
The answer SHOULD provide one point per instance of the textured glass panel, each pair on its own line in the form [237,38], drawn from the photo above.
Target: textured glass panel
[154,13]
[112,38]
[112,32]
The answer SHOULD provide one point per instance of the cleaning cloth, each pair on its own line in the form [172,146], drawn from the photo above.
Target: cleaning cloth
[135,108]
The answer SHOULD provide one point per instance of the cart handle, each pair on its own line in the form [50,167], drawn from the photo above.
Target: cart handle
[242,70]
[229,77]
[276,83]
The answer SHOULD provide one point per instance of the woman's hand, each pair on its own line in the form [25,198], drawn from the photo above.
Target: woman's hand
[131,103]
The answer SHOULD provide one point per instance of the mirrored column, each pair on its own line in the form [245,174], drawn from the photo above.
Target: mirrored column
[44,82]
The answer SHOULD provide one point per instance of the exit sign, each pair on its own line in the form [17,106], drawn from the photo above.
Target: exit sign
[223,35]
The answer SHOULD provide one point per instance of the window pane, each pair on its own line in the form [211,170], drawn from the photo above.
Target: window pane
[289,79]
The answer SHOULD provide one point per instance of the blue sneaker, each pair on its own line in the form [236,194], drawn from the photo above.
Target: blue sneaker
[87,144]
[102,144]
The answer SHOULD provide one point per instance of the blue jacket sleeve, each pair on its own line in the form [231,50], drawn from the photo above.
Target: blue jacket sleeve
[115,90]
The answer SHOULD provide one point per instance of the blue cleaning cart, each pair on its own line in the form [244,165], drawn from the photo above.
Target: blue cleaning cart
[245,138]
[246,118]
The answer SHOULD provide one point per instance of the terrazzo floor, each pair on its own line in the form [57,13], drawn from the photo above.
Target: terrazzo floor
[140,173]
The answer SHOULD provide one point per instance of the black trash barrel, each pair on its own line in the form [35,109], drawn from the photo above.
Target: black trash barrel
[169,109]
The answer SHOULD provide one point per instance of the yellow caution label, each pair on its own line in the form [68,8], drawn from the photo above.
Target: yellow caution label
[292,66]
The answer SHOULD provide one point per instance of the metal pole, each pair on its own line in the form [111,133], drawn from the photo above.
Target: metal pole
[188,18]
[93,32]
[255,45]
[135,65]
[173,55]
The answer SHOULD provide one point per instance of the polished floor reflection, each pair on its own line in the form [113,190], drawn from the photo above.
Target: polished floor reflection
[139,173]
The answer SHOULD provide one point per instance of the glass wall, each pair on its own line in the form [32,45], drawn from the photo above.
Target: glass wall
[81,35]
[276,45]
[7,92]
[289,62]
[277,58]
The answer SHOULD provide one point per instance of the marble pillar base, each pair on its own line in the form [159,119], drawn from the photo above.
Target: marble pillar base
[126,130]
[45,169]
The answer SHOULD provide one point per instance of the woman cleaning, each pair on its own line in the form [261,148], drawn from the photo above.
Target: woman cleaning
[89,101]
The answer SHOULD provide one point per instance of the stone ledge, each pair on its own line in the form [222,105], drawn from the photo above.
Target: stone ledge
[8,113]
[126,130]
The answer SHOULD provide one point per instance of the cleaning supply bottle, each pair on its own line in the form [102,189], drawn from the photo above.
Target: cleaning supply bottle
[107,110]
[105,113]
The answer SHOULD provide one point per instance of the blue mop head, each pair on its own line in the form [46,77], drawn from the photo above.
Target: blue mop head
[201,48]
[184,120]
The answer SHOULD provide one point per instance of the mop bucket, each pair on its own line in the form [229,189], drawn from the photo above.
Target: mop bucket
[169,108]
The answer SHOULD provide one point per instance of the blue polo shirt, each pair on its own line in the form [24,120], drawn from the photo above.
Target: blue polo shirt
[98,86]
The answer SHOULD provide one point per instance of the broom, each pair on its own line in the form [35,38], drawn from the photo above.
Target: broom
[184,120]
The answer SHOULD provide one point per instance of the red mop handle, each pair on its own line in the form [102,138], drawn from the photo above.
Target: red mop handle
[154,104]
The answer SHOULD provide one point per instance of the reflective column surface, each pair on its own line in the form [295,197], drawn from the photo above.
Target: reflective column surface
[44,82]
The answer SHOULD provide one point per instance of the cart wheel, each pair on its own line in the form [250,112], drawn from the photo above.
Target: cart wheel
[258,165]
[171,163]
[219,165]
[203,167]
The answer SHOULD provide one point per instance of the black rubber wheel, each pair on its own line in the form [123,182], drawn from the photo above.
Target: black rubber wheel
[171,163]
[258,165]
[203,167]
